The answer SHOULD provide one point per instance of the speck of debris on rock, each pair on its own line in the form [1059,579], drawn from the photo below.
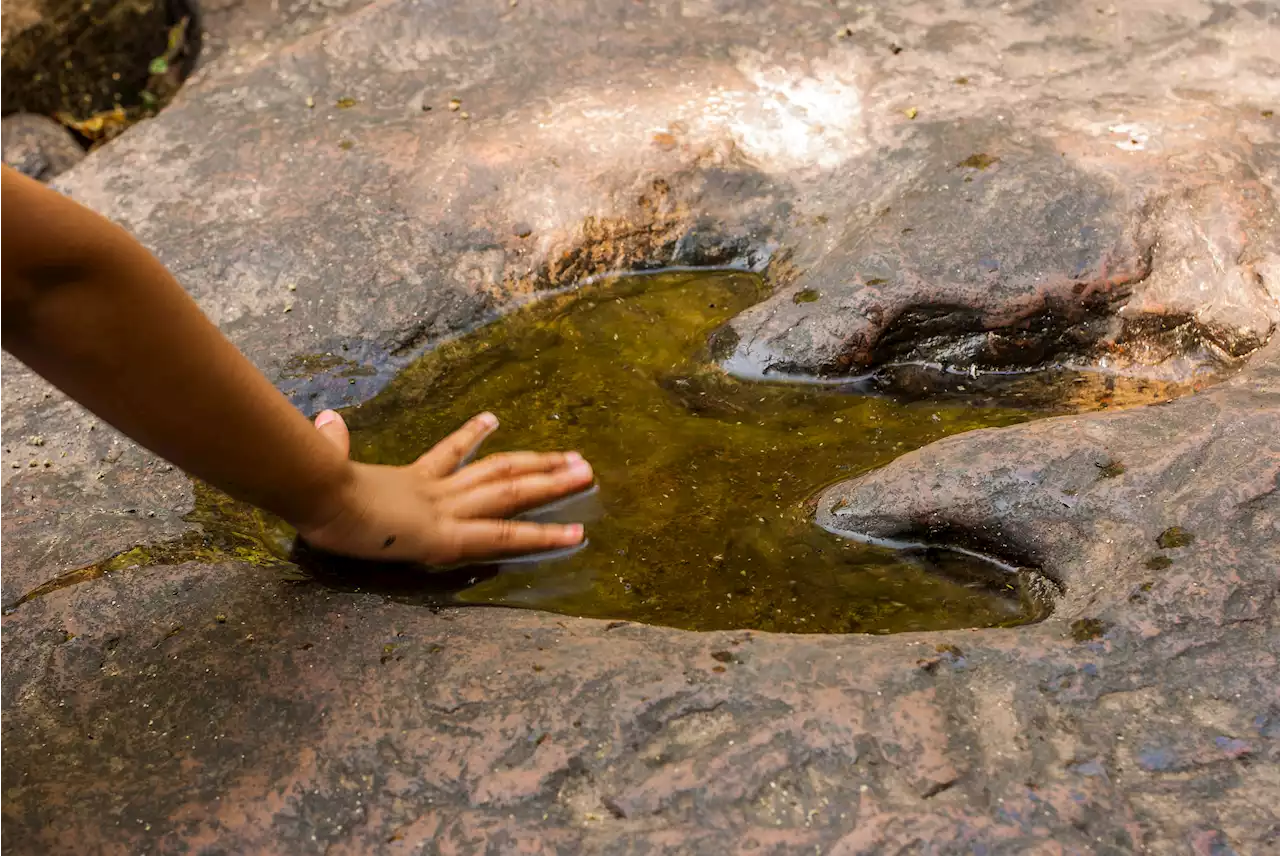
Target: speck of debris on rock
[961,81]
[464,115]
[292,287]
[346,145]
[455,104]
[1087,629]
[978,160]
[36,440]
[844,33]
[1175,536]
[911,112]
[894,48]
[311,102]
[522,230]
[288,307]
[346,101]
[664,141]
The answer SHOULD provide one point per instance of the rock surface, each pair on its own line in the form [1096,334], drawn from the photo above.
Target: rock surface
[1123,167]
[37,146]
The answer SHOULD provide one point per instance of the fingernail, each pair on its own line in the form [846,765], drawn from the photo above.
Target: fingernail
[575,531]
[572,459]
[325,417]
[579,468]
[488,420]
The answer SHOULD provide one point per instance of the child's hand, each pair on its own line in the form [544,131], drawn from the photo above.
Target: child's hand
[427,512]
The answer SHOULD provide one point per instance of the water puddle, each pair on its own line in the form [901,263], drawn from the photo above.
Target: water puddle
[705,481]
[703,478]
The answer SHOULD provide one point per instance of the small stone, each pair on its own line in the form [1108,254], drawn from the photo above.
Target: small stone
[292,287]
[455,104]
[311,102]
[911,112]
[464,115]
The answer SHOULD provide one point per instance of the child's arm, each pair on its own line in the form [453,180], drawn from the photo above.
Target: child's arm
[88,308]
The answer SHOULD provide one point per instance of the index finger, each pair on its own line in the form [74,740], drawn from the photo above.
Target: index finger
[446,456]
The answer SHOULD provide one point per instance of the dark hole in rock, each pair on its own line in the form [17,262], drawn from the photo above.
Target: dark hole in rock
[98,66]
[706,480]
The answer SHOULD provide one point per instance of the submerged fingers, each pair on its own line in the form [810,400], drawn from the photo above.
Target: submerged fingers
[511,496]
[486,539]
[509,465]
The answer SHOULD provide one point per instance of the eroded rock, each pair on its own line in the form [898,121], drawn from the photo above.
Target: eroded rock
[173,708]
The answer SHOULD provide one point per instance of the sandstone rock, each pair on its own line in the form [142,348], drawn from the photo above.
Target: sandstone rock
[627,135]
[38,146]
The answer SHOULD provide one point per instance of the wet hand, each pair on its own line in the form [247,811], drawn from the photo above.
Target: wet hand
[430,511]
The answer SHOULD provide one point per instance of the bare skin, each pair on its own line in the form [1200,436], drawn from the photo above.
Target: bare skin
[95,314]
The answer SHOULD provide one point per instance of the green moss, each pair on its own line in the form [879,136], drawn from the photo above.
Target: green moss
[1173,537]
[1110,470]
[1087,629]
[978,160]
[1157,563]
[807,295]
[307,366]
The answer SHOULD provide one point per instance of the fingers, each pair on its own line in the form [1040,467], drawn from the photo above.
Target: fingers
[486,539]
[445,456]
[509,496]
[510,465]
[333,429]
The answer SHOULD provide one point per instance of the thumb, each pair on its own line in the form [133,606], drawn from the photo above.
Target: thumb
[330,424]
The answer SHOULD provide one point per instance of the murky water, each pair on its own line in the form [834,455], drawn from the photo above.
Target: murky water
[703,479]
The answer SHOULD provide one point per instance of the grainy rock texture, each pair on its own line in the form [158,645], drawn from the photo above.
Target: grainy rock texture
[968,183]
[37,146]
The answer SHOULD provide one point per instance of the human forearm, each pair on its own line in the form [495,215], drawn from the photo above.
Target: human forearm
[101,319]
[93,312]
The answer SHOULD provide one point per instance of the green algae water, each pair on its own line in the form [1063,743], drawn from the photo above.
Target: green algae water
[704,479]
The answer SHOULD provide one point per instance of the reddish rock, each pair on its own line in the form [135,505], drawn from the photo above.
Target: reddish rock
[1142,715]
